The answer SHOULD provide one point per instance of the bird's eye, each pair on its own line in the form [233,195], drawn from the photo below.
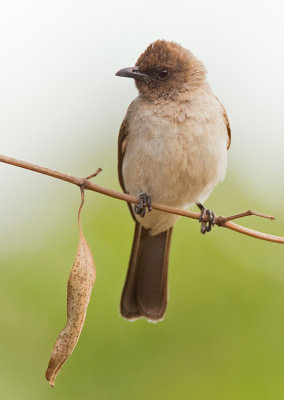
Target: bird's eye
[163,74]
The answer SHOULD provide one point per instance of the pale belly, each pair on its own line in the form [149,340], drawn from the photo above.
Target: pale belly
[175,164]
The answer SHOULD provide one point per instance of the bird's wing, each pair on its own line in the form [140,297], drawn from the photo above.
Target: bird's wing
[228,128]
[227,123]
[122,144]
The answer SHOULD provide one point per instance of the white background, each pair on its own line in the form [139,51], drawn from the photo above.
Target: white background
[61,104]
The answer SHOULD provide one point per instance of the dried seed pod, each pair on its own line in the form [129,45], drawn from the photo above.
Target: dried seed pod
[80,283]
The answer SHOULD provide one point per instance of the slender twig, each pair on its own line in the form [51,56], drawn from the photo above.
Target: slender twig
[94,174]
[247,214]
[220,221]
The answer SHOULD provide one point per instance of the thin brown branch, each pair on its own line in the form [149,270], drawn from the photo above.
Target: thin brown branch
[94,174]
[247,214]
[220,221]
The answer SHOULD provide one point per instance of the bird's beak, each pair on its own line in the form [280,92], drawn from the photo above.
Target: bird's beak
[132,72]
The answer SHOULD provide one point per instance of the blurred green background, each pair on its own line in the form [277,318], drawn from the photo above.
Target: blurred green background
[223,335]
[61,107]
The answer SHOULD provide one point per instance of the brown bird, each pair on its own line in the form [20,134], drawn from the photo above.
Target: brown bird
[172,149]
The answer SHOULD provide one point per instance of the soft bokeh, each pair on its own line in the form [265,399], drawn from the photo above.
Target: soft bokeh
[61,107]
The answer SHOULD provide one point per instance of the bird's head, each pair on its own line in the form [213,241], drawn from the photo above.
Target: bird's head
[166,71]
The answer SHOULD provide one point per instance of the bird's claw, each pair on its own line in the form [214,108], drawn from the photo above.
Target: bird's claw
[144,201]
[209,215]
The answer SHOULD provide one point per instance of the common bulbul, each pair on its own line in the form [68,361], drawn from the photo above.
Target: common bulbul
[172,149]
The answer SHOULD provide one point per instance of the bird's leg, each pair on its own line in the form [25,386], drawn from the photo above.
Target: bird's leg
[205,212]
[144,201]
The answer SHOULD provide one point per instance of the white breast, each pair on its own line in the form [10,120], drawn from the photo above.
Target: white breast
[176,153]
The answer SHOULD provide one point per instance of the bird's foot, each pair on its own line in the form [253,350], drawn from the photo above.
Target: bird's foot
[144,201]
[206,226]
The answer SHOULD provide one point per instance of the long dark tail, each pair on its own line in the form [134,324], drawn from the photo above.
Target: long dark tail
[145,288]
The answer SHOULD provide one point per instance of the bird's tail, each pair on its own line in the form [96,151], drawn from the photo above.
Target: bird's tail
[145,288]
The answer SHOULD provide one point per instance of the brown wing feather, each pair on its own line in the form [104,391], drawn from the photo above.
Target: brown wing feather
[227,122]
[228,128]
[122,144]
